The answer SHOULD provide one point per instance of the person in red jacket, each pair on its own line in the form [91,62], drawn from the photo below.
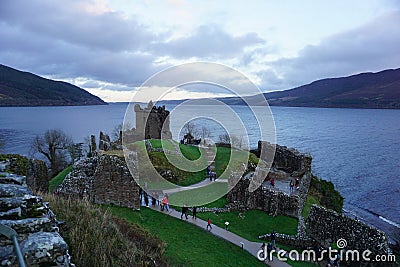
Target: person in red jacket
[164,203]
[209,224]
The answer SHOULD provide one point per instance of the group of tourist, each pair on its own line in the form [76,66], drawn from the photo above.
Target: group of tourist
[185,211]
[294,184]
[268,248]
[210,174]
[164,203]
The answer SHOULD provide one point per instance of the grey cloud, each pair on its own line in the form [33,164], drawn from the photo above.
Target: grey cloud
[208,41]
[60,39]
[372,47]
[69,22]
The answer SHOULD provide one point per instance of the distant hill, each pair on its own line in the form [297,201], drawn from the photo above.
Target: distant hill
[18,88]
[365,90]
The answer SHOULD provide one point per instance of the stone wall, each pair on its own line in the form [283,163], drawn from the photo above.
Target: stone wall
[289,160]
[286,162]
[104,179]
[327,226]
[105,142]
[290,240]
[113,183]
[270,201]
[35,224]
[37,177]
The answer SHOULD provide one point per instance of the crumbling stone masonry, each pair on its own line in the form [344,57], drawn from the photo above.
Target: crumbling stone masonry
[37,177]
[286,159]
[103,179]
[327,226]
[287,162]
[152,122]
[271,201]
[105,142]
[35,224]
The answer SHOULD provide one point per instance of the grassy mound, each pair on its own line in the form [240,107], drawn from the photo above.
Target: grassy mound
[96,238]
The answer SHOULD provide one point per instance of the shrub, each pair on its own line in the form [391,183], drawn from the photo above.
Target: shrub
[326,194]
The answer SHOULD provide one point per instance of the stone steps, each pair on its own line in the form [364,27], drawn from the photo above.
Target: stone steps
[35,224]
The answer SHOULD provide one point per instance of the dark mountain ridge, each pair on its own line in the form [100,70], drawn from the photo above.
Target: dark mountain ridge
[18,88]
[364,90]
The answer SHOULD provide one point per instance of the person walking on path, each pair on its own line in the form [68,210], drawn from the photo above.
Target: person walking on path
[211,176]
[194,213]
[269,252]
[146,199]
[291,186]
[272,182]
[164,203]
[184,212]
[273,239]
[208,224]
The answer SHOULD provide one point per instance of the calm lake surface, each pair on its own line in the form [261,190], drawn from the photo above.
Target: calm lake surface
[357,149]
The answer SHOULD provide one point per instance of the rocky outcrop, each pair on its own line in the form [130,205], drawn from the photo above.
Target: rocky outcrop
[35,224]
[104,179]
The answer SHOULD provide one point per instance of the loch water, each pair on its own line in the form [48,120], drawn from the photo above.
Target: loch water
[357,149]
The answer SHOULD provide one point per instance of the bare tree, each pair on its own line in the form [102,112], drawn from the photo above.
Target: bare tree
[224,138]
[190,128]
[53,145]
[233,140]
[205,132]
[116,133]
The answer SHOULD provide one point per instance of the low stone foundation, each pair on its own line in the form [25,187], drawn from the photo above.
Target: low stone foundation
[270,201]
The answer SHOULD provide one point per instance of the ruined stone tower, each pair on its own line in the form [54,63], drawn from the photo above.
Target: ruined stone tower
[152,122]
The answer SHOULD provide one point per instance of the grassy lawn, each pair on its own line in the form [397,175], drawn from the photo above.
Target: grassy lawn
[219,203]
[253,224]
[58,179]
[307,206]
[198,196]
[190,152]
[236,157]
[187,244]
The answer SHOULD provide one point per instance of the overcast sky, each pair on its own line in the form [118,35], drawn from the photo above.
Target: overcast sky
[111,47]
